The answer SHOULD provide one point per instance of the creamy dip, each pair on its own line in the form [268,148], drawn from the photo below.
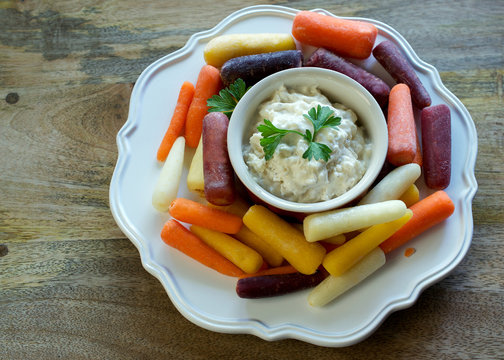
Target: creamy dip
[287,174]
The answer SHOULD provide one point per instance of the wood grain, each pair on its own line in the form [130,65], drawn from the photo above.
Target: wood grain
[72,286]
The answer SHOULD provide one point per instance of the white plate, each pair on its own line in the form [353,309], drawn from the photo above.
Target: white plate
[207,298]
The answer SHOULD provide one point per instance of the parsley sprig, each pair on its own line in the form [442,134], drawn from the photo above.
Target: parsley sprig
[320,117]
[228,98]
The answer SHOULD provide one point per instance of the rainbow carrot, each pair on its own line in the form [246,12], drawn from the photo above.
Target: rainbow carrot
[177,121]
[285,239]
[393,185]
[436,145]
[192,212]
[345,37]
[178,237]
[333,286]
[208,84]
[410,196]
[402,141]
[269,254]
[399,67]
[225,47]
[426,213]
[246,258]
[168,182]
[275,285]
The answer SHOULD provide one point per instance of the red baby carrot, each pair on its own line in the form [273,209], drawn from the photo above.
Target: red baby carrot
[426,213]
[345,37]
[178,237]
[399,67]
[436,145]
[402,141]
[286,269]
[208,84]
[177,121]
[195,213]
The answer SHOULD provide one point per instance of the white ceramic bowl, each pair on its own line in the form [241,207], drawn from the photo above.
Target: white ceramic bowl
[337,88]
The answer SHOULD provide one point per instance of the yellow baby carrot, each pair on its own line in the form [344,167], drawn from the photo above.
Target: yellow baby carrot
[285,239]
[344,257]
[239,254]
[270,255]
[410,196]
[225,47]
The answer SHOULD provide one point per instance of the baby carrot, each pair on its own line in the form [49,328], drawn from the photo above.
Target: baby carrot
[239,208]
[393,185]
[208,84]
[399,67]
[436,145]
[195,213]
[168,182]
[177,121]
[270,255]
[334,286]
[410,196]
[239,254]
[402,141]
[255,287]
[285,239]
[178,237]
[225,47]
[426,213]
[345,37]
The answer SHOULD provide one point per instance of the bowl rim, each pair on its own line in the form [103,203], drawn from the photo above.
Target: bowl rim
[241,169]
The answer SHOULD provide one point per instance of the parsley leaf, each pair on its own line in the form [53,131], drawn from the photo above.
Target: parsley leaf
[228,98]
[317,151]
[271,137]
[320,117]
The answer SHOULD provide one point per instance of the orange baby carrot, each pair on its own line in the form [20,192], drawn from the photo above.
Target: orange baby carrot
[178,237]
[402,141]
[286,269]
[426,213]
[198,214]
[177,121]
[345,37]
[208,84]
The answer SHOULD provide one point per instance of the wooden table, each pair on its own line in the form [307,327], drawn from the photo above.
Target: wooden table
[72,285]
